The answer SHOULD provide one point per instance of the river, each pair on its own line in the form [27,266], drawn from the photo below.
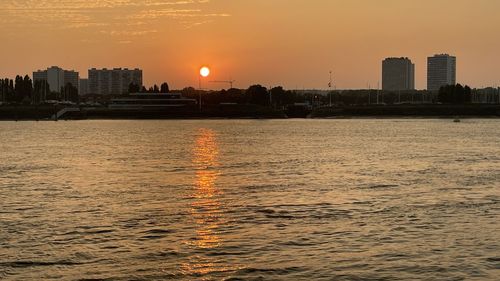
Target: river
[391,199]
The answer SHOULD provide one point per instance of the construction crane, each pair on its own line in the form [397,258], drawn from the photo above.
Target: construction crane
[230,82]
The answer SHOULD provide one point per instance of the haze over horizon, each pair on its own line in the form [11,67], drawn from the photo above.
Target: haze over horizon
[293,43]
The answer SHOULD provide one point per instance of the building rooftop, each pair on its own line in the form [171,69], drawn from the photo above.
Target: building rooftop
[396,58]
[443,55]
[116,68]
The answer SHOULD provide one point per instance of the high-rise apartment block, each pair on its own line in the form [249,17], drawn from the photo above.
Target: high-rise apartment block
[398,74]
[57,77]
[84,87]
[441,71]
[113,81]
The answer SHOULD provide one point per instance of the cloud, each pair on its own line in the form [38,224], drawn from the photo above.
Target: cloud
[112,15]
[20,5]
[173,13]
[128,32]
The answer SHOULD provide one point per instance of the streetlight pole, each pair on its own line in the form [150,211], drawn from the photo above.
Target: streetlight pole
[199,91]
[330,88]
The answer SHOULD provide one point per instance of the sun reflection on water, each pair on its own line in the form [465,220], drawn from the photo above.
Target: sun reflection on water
[206,208]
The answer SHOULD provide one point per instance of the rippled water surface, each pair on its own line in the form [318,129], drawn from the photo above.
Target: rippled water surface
[250,200]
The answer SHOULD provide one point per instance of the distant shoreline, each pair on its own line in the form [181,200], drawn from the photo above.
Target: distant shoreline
[217,112]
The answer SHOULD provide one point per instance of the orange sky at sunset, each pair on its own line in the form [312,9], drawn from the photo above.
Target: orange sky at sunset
[294,43]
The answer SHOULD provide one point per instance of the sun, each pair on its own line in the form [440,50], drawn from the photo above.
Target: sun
[204,71]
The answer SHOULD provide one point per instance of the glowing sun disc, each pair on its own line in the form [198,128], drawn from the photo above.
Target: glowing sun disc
[204,71]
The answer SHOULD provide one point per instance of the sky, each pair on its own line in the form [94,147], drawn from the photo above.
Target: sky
[292,43]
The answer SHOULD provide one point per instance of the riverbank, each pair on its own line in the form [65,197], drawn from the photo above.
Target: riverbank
[235,111]
[27,113]
[410,111]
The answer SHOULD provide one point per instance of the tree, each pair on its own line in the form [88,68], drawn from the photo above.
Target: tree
[231,96]
[70,93]
[459,95]
[188,91]
[258,94]
[23,89]
[455,94]
[234,92]
[11,88]
[133,88]
[156,89]
[40,90]
[18,88]
[164,88]
[278,95]
[2,91]
[27,88]
[468,94]
[5,90]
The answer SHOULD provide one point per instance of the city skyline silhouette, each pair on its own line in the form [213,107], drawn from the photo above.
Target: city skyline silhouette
[290,43]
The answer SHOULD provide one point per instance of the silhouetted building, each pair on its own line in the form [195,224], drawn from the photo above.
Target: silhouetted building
[398,74]
[151,101]
[441,71]
[57,77]
[113,81]
[486,95]
[83,88]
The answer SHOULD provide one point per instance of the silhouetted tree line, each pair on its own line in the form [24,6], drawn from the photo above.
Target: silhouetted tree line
[18,90]
[279,97]
[7,92]
[134,88]
[455,94]
[69,93]
[41,92]
[255,94]
[22,90]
